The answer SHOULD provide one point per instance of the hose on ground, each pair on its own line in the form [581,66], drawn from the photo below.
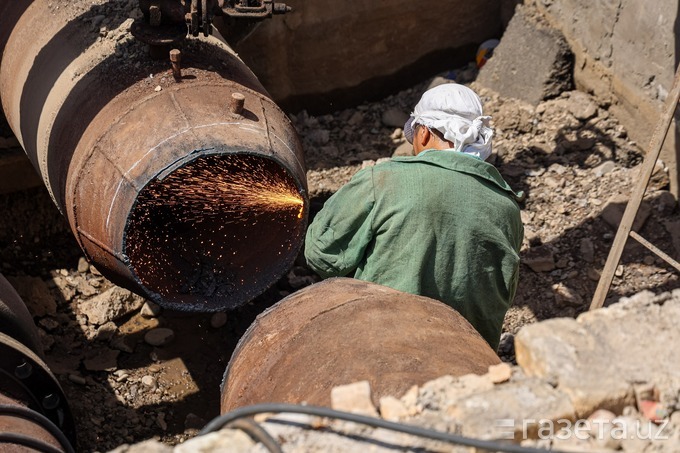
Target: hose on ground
[225,419]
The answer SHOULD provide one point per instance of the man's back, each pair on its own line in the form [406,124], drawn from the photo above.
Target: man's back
[442,224]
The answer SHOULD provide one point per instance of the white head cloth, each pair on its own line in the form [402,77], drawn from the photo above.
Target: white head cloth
[455,111]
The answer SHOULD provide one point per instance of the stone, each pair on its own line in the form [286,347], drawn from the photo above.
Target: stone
[110,305]
[587,250]
[604,168]
[65,291]
[105,359]
[410,398]
[319,136]
[566,296]
[595,359]
[593,274]
[355,398]
[77,379]
[35,294]
[507,72]
[193,421]
[435,82]
[147,446]
[149,381]
[394,117]
[85,288]
[539,259]
[581,105]
[392,409]
[499,373]
[122,344]
[356,118]
[83,265]
[160,336]
[218,320]
[106,331]
[405,149]
[231,440]
[507,410]
[150,310]
[616,205]
[49,324]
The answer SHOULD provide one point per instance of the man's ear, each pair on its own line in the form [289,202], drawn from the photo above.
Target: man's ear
[423,135]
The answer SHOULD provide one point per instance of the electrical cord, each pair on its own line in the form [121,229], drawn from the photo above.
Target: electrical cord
[40,420]
[225,419]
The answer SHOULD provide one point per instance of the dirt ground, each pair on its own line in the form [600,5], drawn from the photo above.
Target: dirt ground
[569,155]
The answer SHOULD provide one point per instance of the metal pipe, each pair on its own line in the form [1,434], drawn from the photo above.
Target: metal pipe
[33,407]
[343,330]
[167,191]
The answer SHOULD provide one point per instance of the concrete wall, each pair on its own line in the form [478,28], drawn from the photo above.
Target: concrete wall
[625,50]
[327,53]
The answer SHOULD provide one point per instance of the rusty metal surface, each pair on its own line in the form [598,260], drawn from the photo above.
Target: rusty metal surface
[26,378]
[10,423]
[100,139]
[15,320]
[343,330]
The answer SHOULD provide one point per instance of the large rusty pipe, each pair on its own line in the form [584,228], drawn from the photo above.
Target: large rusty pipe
[343,330]
[161,182]
[33,407]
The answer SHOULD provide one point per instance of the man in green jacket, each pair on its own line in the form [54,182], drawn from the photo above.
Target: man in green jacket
[442,223]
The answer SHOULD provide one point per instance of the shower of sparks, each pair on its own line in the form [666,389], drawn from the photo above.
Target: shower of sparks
[208,189]
[188,231]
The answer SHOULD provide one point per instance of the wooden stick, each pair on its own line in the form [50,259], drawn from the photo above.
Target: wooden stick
[628,218]
[660,253]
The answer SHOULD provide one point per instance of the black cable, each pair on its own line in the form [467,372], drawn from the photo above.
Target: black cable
[256,432]
[40,420]
[219,422]
[27,441]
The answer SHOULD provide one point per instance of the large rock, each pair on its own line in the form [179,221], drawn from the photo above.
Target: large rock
[613,210]
[511,410]
[531,63]
[597,358]
[110,305]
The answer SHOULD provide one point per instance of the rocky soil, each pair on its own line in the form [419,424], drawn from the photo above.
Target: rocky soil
[581,385]
[133,371]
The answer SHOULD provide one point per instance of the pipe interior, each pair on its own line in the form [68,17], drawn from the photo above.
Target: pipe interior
[216,232]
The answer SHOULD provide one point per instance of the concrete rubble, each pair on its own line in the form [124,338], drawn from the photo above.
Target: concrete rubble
[529,39]
[582,384]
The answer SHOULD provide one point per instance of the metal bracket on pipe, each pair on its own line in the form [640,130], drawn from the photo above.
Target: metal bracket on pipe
[626,225]
[253,9]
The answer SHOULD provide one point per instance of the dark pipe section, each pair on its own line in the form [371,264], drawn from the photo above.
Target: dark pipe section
[33,407]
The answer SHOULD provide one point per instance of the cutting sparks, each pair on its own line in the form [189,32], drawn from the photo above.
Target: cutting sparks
[209,188]
[205,228]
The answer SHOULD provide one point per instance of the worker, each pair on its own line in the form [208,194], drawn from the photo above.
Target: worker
[441,223]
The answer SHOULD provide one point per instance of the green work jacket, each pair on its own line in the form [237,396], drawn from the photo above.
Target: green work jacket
[441,224]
